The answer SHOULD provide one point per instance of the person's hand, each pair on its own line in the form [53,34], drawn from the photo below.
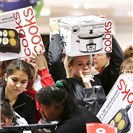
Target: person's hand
[40,60]
[86,79]
[54,26]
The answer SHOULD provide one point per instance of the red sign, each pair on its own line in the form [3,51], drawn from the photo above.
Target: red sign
[100,128]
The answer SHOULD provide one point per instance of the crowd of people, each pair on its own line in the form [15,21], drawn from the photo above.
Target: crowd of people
[52,87]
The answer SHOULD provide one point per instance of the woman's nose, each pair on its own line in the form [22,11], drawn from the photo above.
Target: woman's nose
[18,84]
[86,66]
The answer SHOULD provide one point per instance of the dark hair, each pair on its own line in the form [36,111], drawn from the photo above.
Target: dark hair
[4,65]
[18,65]
[6,108]
[7,111]
[53,95]
[108,54]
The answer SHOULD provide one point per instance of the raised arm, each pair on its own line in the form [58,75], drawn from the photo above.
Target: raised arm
[56,44]
[40,60]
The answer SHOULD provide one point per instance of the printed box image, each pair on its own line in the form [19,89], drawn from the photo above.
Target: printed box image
[118,108]
[9,41]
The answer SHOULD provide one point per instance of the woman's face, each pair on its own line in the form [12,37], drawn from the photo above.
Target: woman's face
[17,82]
[51,113]
[80,63]
[100,61]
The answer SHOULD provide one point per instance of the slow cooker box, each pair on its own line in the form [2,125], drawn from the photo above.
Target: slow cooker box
[83,35]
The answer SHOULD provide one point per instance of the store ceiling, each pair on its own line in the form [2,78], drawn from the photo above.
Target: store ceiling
[119,11]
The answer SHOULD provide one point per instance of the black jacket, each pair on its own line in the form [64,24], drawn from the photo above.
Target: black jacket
[25,107]
[110,74]
[91,98]
[75,122]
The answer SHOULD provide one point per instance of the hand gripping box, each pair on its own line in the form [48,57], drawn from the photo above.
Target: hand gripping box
[19,34]
[118,108]
[83,35]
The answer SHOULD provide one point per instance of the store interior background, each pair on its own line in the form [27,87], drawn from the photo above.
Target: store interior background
[119,11]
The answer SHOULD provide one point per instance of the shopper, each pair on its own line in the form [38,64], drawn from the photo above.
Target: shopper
[82,85]
[110,73]
[58,105]
[101,61]
[16,79]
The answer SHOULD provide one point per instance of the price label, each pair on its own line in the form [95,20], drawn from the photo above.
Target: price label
[100,128]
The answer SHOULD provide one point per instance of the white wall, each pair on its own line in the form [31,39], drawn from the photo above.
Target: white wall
[124,35]
[124,39]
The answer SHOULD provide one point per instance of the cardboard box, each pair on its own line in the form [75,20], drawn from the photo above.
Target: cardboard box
[24,22]
[84,35]
[118,108]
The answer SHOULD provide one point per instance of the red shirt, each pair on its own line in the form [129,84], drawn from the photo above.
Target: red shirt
[46,80]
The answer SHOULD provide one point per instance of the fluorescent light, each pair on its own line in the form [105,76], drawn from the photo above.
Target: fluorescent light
[45,11]
[87,5]
[76,5]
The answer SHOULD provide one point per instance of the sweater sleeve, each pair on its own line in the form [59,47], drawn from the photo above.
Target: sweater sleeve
[110,74]
[55,49]
[117,56]
[46,78]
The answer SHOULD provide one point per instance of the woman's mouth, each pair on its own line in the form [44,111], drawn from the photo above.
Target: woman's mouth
[85,73]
